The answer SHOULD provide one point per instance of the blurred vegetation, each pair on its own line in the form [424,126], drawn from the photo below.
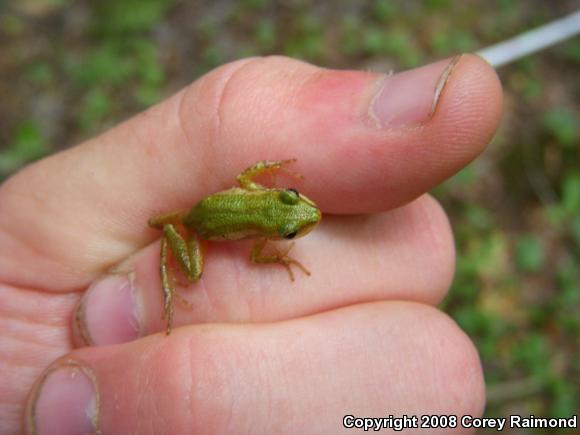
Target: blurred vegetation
[71,69]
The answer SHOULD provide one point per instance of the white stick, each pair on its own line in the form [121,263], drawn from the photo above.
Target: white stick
[534,40]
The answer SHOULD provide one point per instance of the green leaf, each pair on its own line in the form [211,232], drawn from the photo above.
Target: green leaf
[572,50]
[491,255]
[571,193]
[529,253]
[107,64]
[351,43]
[40,73]
[147,95]
[564,403]
[211,57]
[463,42]
[440,42]
[310,24]
[384,10]
[256,4]
[28,141]
[465,177]
[575,229]
[130,15]
[478,216]
[146,64]
[95,107]
[562,124]
[11,24]
[265,34]
[532,89]
[506,5]
[27,144]
[374,40]
[397,42]
[534,353]
[466,289]
[438,4]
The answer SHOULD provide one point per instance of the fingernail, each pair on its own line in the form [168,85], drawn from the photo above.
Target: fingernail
[64,401]
[108,312]
[411,97]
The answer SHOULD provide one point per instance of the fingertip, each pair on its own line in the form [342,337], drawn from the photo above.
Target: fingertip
[452,352]
[436,246]
[409,160]
[470,109]
[108,312]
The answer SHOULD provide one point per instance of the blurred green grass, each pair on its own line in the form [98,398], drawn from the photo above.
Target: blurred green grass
[72,69]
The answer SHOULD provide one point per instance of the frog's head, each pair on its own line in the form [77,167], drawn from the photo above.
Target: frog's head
[302,214]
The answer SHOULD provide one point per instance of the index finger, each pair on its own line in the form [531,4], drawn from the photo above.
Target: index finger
[365,142]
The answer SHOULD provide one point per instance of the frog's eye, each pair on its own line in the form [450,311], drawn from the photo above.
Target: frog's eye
[290,235]
[288,231]
[290,196]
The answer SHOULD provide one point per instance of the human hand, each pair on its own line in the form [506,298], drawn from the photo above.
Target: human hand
[257,353]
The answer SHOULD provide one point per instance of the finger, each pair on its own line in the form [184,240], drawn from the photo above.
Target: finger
[300,376]
[365,142]
[34,331]
[407,254]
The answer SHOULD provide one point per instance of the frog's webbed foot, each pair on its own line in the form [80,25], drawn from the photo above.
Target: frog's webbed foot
[278,257]
[178,284]
[246,178]
[182,301]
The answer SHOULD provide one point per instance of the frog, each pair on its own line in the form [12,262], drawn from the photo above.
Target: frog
[248,211]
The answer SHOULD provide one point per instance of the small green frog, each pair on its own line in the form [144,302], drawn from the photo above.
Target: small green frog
[249,211]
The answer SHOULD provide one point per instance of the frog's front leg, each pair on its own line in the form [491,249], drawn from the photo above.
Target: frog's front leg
[189,256]
[246,178]
[278,257]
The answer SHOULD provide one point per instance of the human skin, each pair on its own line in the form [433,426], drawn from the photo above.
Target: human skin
[256,353]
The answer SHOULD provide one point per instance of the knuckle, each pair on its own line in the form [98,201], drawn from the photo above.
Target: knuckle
[232,96]
[205,100]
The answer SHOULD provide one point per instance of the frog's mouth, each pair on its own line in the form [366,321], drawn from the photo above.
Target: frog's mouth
[305,229]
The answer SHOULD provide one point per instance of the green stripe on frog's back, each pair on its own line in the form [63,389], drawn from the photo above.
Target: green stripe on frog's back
[239,213]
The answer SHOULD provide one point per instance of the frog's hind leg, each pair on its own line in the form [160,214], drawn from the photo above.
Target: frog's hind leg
[271,166]
[187,251]
[279,257]
[189,256]
[169,293]
[168,288]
